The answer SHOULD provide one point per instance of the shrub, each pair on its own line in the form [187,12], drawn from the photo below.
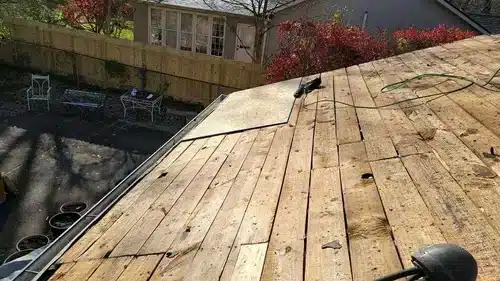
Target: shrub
[412,39]
[307,47]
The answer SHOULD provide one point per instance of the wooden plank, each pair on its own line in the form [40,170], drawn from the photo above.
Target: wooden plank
[474,134]
[82,270]
[325,153]
[346,119]
[404,136]
[405,209]
[107,221]
[474,101]
[479,183]
[250,158]
[284,260]
[61,271]
[203,197]
[468,51]
[140,268]
[105,244]
[422,118]
[376,137]
[372,250]
[110,269]
[461,222]
[174,268]
[244,221]
[326,224]
[250,262]
[460,61]
[491,97]
[155,230]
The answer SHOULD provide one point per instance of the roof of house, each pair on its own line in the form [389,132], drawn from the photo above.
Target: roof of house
[467,18]
[483,24]
[223,6]
[334,193]
[490,22]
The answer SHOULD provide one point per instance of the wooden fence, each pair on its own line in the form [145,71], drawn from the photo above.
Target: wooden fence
[191,77]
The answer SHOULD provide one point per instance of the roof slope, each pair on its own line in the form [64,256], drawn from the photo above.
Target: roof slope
[223,6]
[490,22]
[374,184]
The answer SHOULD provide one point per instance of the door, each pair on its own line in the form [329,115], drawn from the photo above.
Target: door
[245,46]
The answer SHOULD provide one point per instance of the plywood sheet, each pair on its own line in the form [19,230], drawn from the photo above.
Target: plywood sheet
[252,108]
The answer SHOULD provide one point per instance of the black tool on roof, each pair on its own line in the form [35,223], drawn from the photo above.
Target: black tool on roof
[441,262]
[308,87]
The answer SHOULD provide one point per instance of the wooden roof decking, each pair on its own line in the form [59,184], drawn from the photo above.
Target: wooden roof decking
[260,204]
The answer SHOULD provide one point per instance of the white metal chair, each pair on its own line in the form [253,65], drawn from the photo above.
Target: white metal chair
[39,90]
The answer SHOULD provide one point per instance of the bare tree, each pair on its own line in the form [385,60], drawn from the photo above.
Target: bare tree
[262,12]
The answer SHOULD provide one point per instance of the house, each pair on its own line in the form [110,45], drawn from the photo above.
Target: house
[342,191]
[197,26]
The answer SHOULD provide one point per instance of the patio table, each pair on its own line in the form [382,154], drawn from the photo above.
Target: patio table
[141,100]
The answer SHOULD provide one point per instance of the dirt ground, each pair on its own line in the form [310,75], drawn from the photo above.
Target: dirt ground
[64,155]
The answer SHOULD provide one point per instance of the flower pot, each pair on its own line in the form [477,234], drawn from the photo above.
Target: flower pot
[62,221]
[17,255]
[32,242]
[73,207]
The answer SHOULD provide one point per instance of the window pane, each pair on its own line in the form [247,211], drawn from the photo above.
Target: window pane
[171,39]
[155,18]
[186,41]
[217,46]
[218,27]
[201,44]
[156,36]
[202,25]
[187,23]
[171,20]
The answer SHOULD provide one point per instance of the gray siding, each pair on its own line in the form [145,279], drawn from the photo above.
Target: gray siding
[141,26]
[385,14]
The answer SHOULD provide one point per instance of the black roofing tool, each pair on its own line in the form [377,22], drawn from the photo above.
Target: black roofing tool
[441,262]
[308,87]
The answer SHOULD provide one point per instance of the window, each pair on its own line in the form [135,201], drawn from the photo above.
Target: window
[217,36]
[186,32]
[171,27]
[202,33]
[156,30]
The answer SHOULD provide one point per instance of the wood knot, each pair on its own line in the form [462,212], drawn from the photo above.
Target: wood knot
[366,227]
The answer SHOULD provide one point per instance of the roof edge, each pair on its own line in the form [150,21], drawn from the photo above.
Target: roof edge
[37,267]
[463,16]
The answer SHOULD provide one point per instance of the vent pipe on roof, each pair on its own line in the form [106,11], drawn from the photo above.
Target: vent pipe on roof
[365,17]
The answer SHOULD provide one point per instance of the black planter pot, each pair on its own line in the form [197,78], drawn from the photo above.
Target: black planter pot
[73,207]
[17,255]
[62,221]
[32,242]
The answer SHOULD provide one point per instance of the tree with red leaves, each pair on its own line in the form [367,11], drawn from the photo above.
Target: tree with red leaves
[307,47]
[99,16]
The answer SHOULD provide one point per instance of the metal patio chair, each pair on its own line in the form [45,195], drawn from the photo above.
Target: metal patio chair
[39,90]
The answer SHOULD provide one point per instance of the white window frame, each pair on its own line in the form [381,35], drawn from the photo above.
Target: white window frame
[195,16]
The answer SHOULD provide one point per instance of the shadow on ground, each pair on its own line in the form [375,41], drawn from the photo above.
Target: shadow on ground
[60,156]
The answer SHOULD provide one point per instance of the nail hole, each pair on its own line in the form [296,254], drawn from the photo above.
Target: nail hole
[366,176]
[163,175]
